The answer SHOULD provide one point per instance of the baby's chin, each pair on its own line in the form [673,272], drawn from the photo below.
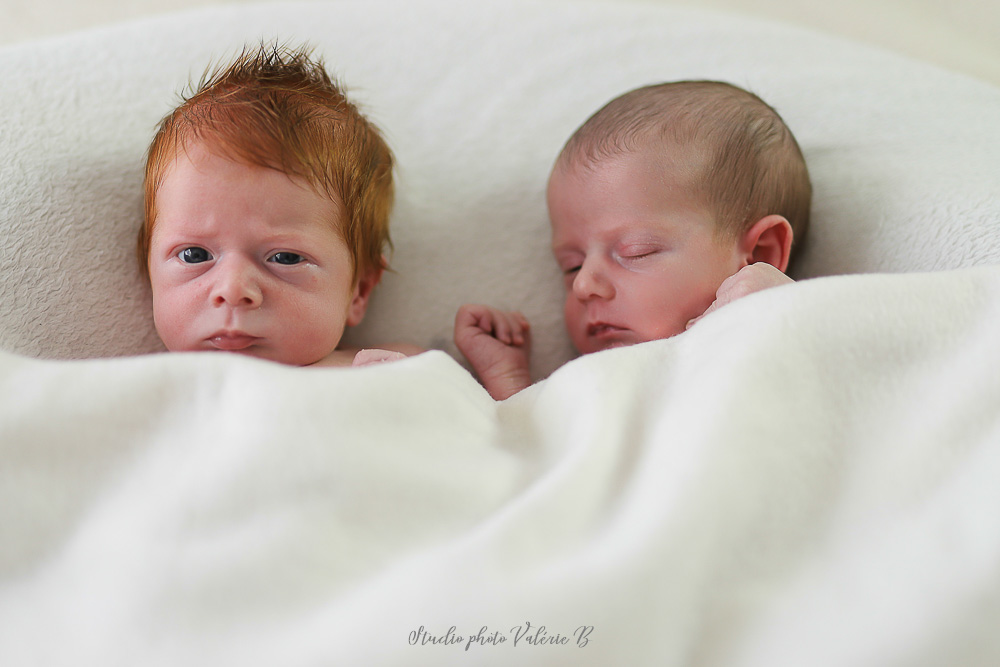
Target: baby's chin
[291,357]
[590,346]
[266,353]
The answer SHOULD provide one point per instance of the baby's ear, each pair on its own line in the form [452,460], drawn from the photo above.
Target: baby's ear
[769,240]
[362,292]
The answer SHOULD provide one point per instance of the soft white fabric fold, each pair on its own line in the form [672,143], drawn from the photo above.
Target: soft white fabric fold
[806,477]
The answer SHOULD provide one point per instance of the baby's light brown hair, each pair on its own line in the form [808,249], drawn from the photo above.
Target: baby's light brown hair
[276,107]
[750,164]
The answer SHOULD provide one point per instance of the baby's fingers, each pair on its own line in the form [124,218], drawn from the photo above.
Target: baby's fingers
[512,328]
[502,328]
[521,329]
[473,315]
[475,318]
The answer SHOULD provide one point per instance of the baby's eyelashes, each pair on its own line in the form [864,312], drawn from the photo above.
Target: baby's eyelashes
[635,252]
[568,260]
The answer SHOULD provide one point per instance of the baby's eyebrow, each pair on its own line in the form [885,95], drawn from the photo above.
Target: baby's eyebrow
[565,257]
[564,253]
[563,246]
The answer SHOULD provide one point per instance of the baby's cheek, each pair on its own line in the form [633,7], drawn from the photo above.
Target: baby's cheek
[313,340]
[171,320]
[573,319]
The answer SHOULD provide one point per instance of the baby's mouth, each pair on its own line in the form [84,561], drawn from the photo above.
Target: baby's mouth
[603,330]
[232,341]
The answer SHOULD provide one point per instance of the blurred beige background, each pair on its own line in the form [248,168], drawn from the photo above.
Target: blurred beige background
[962,35]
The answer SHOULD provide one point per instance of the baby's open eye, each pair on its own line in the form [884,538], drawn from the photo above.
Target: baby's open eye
[286,258]
[194,255]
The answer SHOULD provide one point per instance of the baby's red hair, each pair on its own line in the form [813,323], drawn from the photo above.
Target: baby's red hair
[277,107]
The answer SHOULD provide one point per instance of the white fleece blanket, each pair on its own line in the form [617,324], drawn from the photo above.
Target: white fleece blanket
[807,477]
[792,482]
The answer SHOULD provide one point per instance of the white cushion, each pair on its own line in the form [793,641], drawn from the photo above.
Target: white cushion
[476,99]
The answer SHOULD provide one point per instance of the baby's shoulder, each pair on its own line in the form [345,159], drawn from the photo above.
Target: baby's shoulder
[346,356]
[408,349]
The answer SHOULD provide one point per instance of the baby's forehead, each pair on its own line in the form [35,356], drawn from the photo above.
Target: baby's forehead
[202,152]
[199,150]
[676,163]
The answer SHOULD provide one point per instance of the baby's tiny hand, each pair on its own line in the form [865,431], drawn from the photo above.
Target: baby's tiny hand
[751,278]
[375,356]
[474,320]
[497,344]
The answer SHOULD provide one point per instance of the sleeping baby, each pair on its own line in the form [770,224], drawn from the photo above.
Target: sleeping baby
[267,200]
[669,202]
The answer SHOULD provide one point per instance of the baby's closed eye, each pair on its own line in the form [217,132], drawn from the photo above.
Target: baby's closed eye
[568,260]
[640,251]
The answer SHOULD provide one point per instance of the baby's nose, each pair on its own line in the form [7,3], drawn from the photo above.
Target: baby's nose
[237,284]
[591,282]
